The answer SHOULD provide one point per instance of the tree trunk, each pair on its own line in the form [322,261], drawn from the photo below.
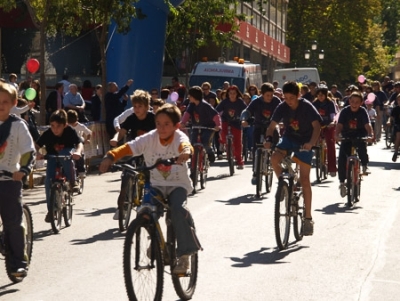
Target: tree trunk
[102,38]
[43,28]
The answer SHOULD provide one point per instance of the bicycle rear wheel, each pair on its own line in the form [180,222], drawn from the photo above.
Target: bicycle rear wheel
[351,186]
[125,202]
[324,165]
[269,173]
[229,153]
[27,223]
[143,261]
[67,208]
[282,215]
[259,164]
[318,164]
[245,153]
[184,285]
[194,170]
[56,195]
[203,169]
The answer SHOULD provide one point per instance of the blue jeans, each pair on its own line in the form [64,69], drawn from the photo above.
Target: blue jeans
[206,139]
[69,171]
[182,220]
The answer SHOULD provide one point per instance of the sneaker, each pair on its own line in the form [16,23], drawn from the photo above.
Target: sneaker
[116,215]
[365,170]
[254,180]
[182,266]
[21,272]
[211,157]
[308,227]
[240,166]
[82,175]
[332,174]
[343,190]
[394,158]
[219,157]
[47,218]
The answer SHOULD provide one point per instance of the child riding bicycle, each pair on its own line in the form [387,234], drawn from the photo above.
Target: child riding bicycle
[59,139]
[17,157]
[202,114]
[302,129]
[353,122]
[172,182]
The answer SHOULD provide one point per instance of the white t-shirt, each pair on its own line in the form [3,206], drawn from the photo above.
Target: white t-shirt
[81,129]
[150,147]
[19,142]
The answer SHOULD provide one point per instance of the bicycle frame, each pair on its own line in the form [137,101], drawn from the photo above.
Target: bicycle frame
[356,165]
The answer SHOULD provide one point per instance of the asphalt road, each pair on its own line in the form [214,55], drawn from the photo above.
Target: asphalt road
[351,256]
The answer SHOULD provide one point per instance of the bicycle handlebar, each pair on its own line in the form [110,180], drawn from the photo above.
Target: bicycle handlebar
[199,127]
[166,162]
[65,157]
[353,138]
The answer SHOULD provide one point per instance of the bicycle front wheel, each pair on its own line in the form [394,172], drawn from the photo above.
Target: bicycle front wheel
[67,208]
[56,196]
[125,202]
[194,171]
[282,215]
[229,153]
[269,173]
[298,209]
[318,164]
[351,186]
[203,169]
[388,136]
[259,165]
[143,261]
[184,285]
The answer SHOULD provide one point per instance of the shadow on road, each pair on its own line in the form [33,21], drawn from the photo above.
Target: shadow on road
[106,235]
[244,199]
[5,291]
[219,177]
[33,203]
[37,236]
[263,257]
[96,212]
[338,208]
[385,165]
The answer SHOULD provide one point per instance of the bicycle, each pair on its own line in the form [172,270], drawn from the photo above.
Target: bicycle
[132,184]
[146,251]
[199,164]
[27,223]
[289,203]
[353,174]
[321,162]
[61,196]
[230,150]
[263,167]
[389,134]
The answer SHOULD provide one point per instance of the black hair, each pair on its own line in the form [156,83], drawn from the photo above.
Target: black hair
[196,93]
[291,87]
[267,87]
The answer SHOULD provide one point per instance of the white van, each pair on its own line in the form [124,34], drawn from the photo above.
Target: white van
[300,75]
[216,73]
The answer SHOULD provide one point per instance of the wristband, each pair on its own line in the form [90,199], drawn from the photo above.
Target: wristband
[268,139]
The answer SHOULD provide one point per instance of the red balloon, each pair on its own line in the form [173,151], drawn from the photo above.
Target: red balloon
[32,65]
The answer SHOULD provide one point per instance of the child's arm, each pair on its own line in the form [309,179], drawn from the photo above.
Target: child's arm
[121,118]
[26,162]
[117,137]
[114,155]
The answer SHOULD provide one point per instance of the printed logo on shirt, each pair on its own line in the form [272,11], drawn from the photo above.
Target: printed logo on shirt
[196,117]
[294,124]
[58,147]
[321,112]
[266,114]
[164,170]
[231,113]
[353,124]
[3,150]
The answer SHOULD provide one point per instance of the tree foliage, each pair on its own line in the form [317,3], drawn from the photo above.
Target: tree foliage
[352,34]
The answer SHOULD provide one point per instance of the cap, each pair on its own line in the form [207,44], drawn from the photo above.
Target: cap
[226,83]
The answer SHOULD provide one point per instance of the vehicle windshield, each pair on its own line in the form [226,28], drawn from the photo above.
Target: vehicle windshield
[216,82]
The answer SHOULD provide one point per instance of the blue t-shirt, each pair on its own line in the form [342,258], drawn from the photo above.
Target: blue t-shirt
[202,114]
[263,111]
[231,111]
[353,122]
[325,109]
[298,122]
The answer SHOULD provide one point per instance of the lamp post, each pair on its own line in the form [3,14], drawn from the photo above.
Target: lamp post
[312,55]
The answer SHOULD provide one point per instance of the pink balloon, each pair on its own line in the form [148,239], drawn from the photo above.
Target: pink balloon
[361,78]
[174,96]
[370,98]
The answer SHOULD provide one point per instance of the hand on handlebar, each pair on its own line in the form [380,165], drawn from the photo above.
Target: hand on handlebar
[182,158]
[105,165]
[307,146]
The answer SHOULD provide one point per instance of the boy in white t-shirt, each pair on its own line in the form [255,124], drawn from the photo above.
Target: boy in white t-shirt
[17,153]
[84,133]
[167,141]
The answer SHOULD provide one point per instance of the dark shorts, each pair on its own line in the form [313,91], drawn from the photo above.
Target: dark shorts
[299,156]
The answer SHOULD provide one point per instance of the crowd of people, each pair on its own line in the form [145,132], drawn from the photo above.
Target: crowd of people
[152,124]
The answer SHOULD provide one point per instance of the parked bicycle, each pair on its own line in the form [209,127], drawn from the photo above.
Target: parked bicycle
[27,223]
[353,174]
[146,251]
[199,164]
[289,203]
[321,159]
[61,196]
[132,184]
